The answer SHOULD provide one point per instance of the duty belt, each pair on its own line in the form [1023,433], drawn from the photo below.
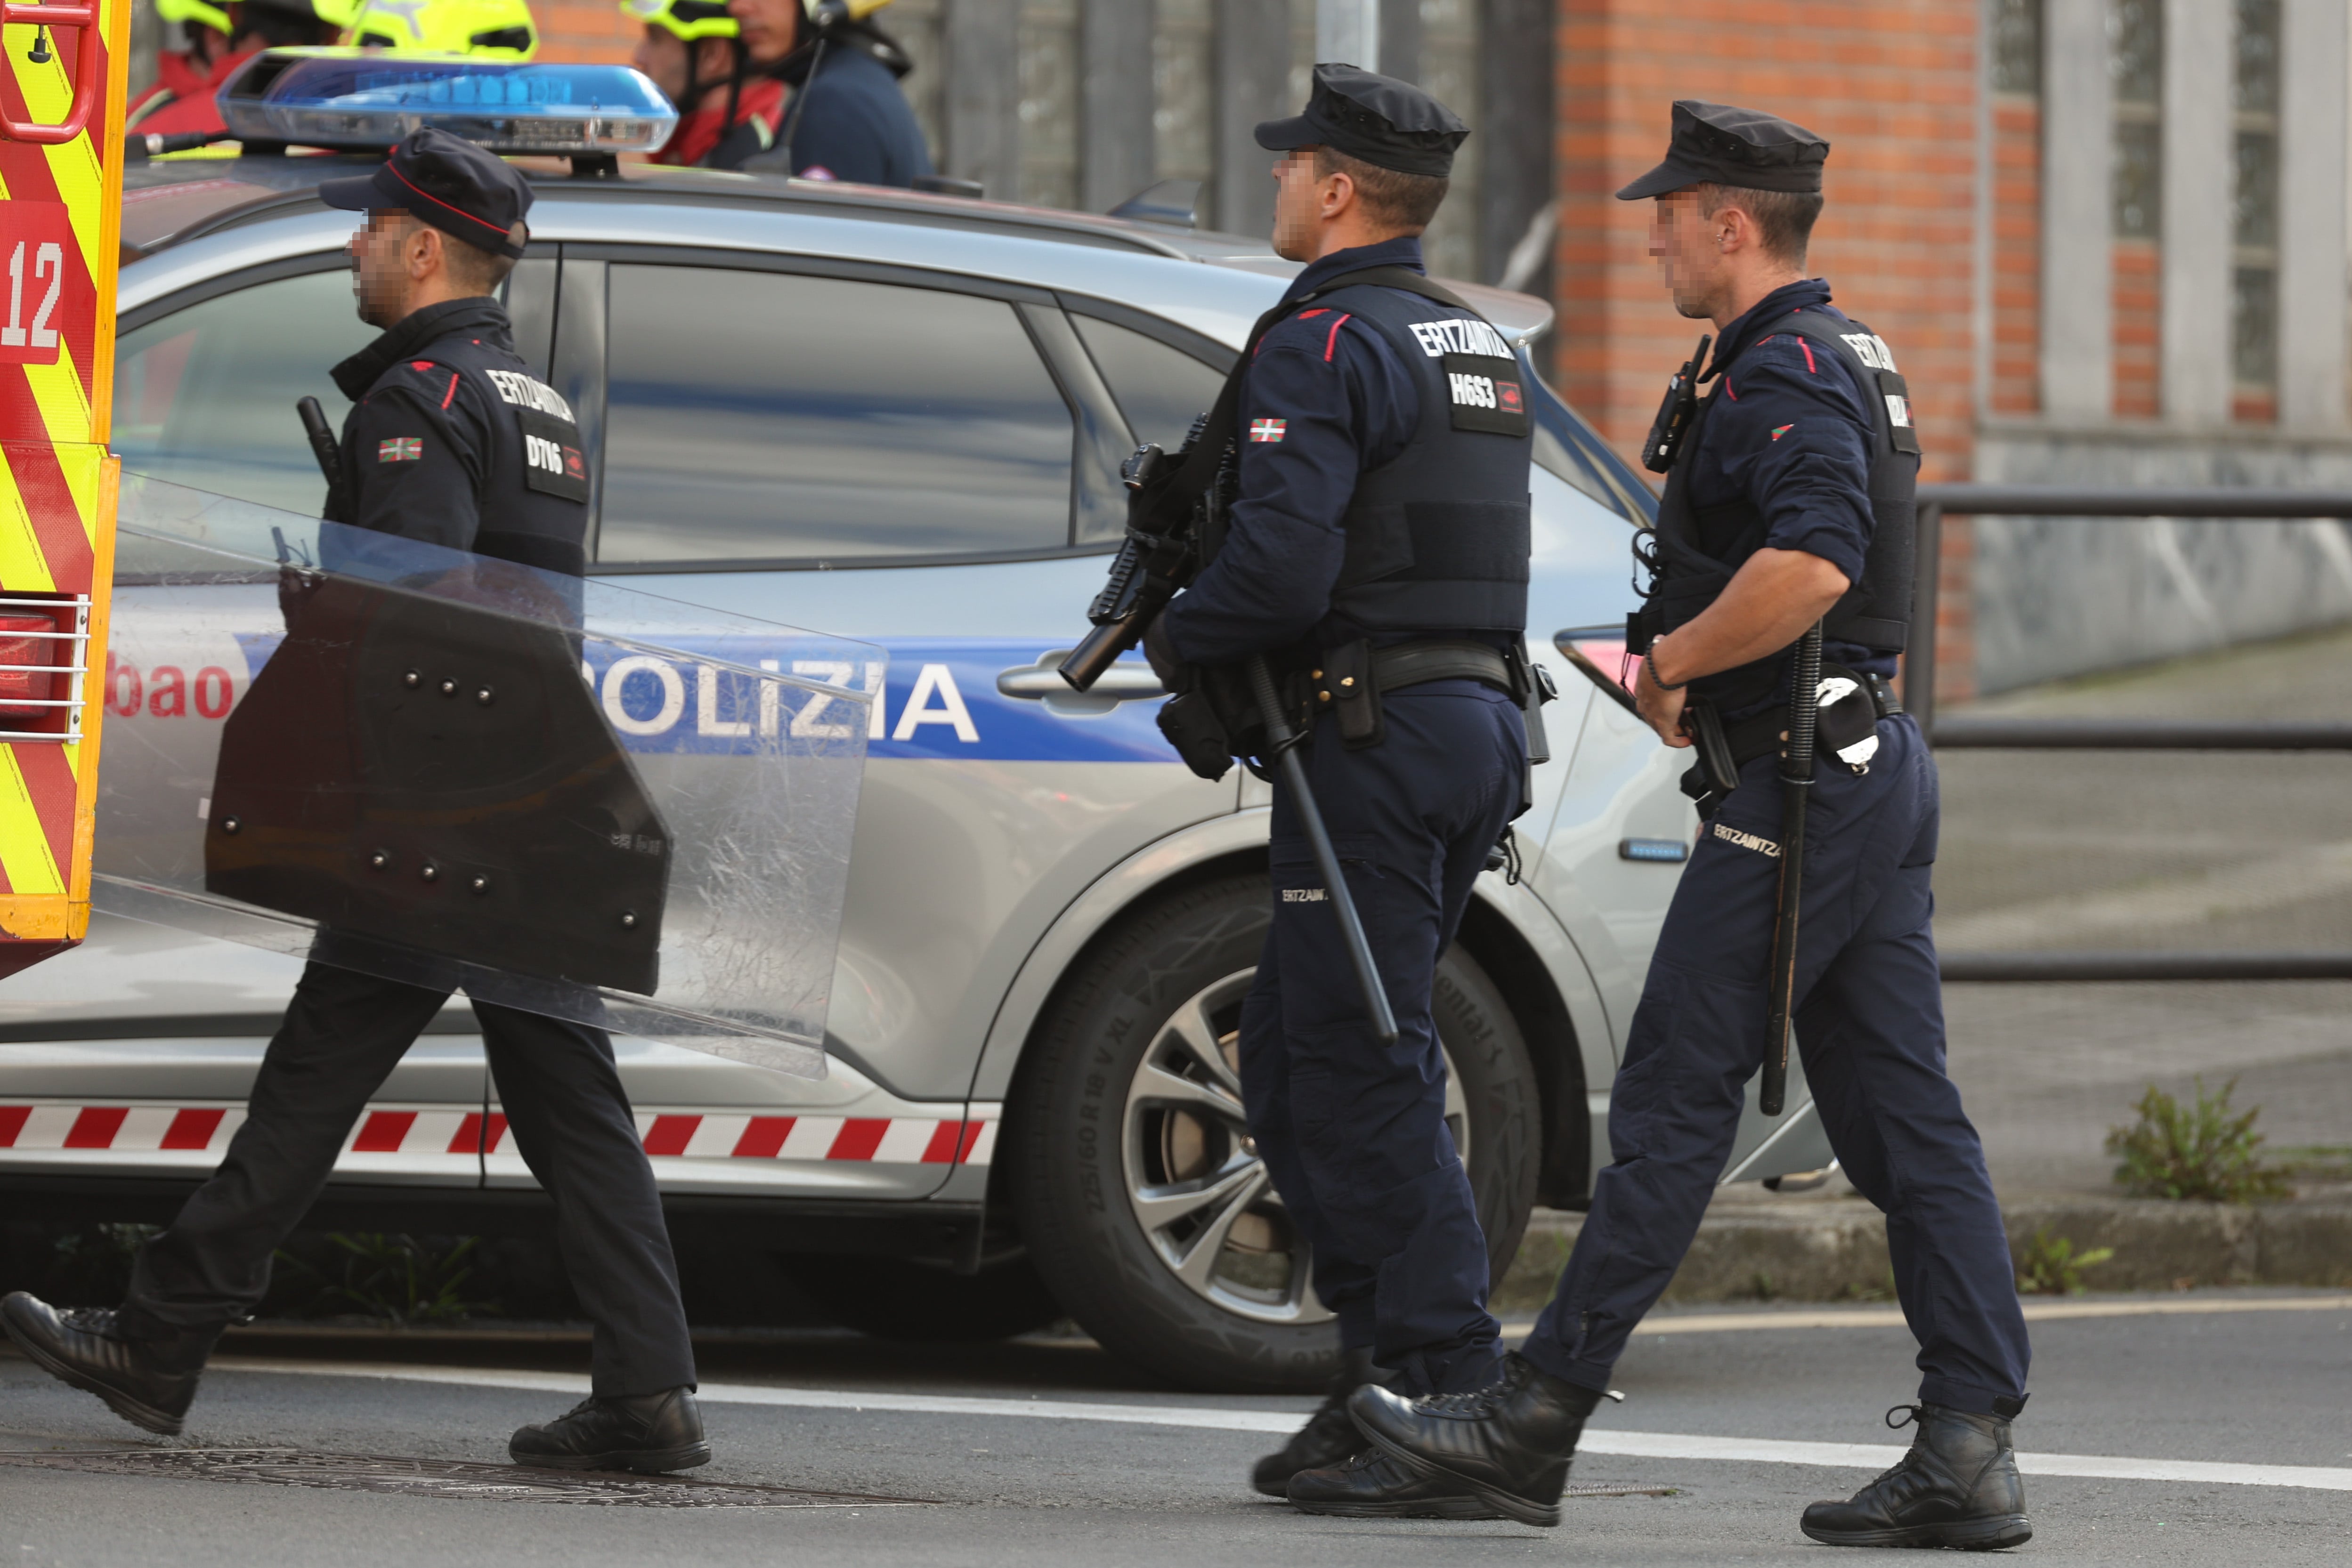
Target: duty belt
[1351,678]
[1731,746]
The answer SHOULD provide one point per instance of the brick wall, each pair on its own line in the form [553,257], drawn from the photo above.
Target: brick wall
[2016,256]
[592,30]
[2138,295]
[1892,83]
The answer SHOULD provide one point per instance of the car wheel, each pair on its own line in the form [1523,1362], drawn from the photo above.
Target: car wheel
[1139,1191]
[901,1299]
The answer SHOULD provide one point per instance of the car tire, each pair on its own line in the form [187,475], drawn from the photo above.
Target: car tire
[900,1298]
[1078,1141]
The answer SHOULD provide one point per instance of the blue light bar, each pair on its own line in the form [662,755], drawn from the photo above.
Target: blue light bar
[369,99]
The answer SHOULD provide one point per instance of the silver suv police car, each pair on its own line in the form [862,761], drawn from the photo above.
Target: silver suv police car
[897,418]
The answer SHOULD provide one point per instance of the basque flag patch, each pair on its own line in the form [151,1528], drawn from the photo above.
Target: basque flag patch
[400,449]
[1268,429]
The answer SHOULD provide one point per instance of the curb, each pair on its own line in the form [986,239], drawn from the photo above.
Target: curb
[1836,1251]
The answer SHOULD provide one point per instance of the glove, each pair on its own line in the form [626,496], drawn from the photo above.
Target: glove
[1166,663]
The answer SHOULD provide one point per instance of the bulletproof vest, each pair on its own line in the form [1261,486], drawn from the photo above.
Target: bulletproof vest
[534,489]
[1437,537]
[1700,548]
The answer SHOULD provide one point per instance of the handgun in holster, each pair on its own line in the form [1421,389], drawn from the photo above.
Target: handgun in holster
[1716,774]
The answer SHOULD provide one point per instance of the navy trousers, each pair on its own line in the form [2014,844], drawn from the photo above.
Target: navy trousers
[1870,1028]
[344,1034]
[1354,1133]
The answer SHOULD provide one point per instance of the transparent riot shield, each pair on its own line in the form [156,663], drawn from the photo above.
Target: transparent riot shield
[459,772]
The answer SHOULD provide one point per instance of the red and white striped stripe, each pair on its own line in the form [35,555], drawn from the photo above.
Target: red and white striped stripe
[666,1135]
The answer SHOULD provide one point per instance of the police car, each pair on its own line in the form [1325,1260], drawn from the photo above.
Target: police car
[898,418]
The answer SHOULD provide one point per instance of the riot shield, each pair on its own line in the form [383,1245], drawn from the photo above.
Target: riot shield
[460,772]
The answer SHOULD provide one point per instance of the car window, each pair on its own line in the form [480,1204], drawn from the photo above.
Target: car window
[767,414]
[1161,389]
[205,396]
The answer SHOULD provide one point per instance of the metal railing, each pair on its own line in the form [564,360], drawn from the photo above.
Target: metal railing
[1989,734]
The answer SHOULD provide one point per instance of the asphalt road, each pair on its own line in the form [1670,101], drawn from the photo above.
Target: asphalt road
[992,1459]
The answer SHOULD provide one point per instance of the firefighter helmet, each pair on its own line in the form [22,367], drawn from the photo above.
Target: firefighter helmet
[495,29]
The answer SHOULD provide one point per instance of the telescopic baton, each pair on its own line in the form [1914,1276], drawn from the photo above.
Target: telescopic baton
[1796,790]
[324,447]
[1280,743]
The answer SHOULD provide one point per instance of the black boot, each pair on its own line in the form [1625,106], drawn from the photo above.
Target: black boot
[1509,1443]
[1329,1438]
[1374,1486]
[146,1376]
[1959,1487]
[648,1433]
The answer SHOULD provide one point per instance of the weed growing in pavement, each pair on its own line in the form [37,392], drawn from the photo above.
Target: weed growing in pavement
[2049,1266]
[2200,1151]
[392,1279]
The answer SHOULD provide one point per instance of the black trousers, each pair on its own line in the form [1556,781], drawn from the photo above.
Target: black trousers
[344,1034]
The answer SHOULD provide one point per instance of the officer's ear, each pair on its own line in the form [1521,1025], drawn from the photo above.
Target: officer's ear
[424,250]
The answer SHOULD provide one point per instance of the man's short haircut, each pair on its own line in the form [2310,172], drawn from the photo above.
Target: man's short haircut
[1402,201]
[472,270]
[1785,218]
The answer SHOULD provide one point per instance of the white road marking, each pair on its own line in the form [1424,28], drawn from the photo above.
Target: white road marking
[2035,1312]
[1618,1443]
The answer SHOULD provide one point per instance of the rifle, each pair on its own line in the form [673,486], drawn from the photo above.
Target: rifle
[1162,554]
[1796,790]
[1166,546]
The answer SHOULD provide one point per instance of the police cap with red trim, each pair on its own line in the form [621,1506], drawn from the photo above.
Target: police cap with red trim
[455,186]
[1388,123]
[1719,144]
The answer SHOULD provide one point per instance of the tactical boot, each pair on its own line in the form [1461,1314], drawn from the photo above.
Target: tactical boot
[147,1378]
[648,1433]
[1509,1443]
[1959,1487]
[1372,1486]
[1328,1438]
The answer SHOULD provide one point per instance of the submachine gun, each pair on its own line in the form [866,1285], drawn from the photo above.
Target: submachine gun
[1176,519]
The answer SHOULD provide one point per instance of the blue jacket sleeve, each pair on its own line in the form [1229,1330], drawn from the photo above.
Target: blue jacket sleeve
[1793,437]
[1324,400]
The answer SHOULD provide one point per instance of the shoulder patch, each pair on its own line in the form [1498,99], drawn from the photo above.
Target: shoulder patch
[1268,429]
[400,449]
[1486,393]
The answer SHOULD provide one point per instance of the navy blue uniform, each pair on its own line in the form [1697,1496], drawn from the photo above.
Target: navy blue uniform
[855,125]
[1788,431]
[1354,1134]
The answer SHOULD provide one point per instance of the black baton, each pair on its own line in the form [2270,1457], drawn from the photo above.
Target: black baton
[323,447]
[1279,743]
[1796,790]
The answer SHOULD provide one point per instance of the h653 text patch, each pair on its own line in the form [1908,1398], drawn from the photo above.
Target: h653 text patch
[1486,393]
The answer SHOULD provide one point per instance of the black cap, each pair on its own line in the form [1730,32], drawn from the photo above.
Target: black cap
[1388,123]
[1717,143]
[452,184]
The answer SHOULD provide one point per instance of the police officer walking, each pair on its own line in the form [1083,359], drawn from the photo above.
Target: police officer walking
[1377,550]
[433,451]
[1789,503]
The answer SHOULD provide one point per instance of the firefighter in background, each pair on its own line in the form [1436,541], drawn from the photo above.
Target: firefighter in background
[854,123]
[694,51]
[220,38]
[492,29]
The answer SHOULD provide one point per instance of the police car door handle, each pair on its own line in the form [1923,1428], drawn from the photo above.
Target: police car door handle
[1125,681]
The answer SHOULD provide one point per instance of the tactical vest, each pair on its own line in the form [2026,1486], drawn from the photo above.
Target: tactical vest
[1438,537]
[1700,548]
[533,495]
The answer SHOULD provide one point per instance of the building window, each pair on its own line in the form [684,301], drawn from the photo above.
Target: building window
[2135,65]
[2254,202]
[2017,47]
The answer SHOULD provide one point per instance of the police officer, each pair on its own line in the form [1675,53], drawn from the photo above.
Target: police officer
[1378,548]
[433,451]
[853,122]
[1789,501]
